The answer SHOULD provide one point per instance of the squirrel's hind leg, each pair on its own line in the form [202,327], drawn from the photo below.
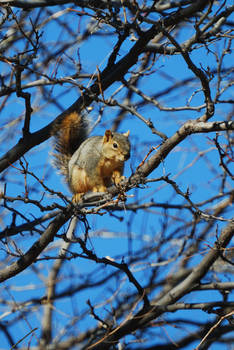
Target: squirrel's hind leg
[77,197]
[99,188]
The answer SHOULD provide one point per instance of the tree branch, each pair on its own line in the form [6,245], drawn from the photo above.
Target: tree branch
[29,257]
[143,318]
[107,78]
[189,128]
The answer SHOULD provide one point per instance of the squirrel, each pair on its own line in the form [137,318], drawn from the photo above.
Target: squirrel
[89,163]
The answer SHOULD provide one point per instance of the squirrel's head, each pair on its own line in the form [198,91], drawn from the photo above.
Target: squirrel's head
[116,146]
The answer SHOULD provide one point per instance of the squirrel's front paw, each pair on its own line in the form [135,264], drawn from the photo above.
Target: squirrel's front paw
[119,179]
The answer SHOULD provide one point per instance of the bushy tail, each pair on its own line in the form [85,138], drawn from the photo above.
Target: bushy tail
[68,134]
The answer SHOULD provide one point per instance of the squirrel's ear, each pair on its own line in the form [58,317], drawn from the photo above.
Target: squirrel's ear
[126,133]
[108,135]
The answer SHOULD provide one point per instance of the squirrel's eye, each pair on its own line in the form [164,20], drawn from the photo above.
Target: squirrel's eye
[115,145]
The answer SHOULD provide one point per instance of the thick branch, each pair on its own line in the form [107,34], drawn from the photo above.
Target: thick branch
[29,257]
[190,127]
[145,316]
[47,323]
[107,78]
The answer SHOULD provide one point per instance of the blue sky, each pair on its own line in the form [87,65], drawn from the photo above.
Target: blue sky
[111,236]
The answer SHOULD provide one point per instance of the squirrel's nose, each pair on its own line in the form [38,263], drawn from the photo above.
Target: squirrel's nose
[127,156]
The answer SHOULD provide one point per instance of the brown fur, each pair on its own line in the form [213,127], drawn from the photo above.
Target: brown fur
[90,164]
